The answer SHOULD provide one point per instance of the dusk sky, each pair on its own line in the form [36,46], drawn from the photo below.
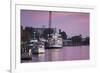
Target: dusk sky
[73,23]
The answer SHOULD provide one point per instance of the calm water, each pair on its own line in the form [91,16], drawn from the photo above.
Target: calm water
[63,54]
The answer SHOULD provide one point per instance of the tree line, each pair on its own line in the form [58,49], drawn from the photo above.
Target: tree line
[28,33]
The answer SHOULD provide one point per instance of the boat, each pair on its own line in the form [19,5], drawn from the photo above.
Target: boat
[25,52]
[26,56]
[55,41]
[36,46]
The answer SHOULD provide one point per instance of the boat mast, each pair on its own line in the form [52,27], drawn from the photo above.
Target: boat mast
[50,19]
[49,22]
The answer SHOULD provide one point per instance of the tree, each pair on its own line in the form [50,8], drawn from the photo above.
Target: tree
[86,41]
[63,35]
[77,40]
[47,32]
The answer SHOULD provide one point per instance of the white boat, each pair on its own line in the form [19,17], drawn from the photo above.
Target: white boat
[38,48]
[55,41]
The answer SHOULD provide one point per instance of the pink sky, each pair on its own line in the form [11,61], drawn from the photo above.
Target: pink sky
[73,23]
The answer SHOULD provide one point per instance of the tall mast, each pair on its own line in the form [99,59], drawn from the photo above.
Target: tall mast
[50,13]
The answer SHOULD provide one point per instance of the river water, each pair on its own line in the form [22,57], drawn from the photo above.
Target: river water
[67,53]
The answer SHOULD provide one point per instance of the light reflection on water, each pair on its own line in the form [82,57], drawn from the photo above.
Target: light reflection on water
[63,54]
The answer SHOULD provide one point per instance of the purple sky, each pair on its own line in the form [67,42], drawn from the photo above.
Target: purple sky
[73,23]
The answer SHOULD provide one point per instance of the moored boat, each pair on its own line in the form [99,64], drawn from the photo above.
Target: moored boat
[55,41]
[38,48]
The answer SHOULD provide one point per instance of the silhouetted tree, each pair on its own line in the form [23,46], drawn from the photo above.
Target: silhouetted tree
[77,40]
[47,32]
[86,41]
[63,34]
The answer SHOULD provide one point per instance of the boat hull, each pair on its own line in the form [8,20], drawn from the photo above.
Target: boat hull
[38,50]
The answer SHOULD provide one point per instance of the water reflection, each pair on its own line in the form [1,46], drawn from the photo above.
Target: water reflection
[53,54]
[62,54]
[38,57]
